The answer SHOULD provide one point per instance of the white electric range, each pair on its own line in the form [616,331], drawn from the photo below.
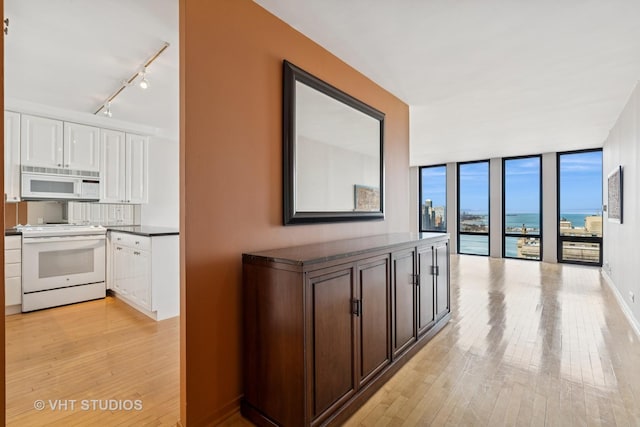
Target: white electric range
[62,264]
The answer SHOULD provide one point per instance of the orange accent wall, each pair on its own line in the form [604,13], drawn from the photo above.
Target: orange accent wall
[231,178]
[14,214]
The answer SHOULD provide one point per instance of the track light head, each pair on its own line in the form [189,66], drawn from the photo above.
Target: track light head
[144,83]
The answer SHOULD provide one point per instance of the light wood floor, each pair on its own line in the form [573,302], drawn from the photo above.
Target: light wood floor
[529,344]
[98,350]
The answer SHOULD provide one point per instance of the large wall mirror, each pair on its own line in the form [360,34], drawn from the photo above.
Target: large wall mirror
[333,153]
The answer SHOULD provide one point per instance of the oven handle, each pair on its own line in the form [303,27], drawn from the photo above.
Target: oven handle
[29,240]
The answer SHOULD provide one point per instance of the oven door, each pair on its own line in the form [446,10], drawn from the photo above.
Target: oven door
[59,262]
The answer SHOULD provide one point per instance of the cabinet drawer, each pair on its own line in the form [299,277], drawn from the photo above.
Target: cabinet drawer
[131,240]
[12,256]
[13,270]
[12,291]
[13,242]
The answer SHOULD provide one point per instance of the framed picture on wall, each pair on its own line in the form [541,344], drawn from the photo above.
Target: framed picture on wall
[614,195]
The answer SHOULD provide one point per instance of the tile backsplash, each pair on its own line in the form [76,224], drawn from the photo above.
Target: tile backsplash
[47,212]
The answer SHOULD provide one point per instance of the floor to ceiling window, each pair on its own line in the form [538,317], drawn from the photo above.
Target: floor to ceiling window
[433,198]
[522,207]
[580,207]
[473,208]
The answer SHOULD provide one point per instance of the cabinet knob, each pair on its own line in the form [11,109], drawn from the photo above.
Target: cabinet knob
[59,164]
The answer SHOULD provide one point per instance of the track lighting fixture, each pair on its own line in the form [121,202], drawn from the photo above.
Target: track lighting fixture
[144,83]
[107,109]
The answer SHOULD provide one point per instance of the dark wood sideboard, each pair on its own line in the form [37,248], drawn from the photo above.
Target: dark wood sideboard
[325,325]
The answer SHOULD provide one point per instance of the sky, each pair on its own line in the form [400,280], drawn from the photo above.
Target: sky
[580,184]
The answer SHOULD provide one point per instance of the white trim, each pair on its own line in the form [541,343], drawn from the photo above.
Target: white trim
[622,303]
[27,107]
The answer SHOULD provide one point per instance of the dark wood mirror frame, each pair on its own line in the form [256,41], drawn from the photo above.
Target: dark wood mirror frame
[291,75]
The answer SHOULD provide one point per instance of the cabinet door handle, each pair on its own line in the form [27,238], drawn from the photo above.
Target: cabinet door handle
[416,278]
[356,307]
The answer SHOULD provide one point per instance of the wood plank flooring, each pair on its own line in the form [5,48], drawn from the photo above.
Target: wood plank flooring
[99,354]
[529,344]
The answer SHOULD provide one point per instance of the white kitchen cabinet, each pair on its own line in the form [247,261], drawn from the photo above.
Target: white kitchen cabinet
[136,186]
[12,156]
[13,274]
[124,168]
[144,272]
[50,143]
[112,168]
[81,147]
[41,142]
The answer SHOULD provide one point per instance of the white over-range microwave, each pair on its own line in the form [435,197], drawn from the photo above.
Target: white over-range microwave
[59,184]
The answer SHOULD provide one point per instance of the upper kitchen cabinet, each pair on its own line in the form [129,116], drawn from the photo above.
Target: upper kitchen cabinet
[12,156]
[41,142]
[112,168]
[137,181]
[81,147]
[50,143]
[124,168]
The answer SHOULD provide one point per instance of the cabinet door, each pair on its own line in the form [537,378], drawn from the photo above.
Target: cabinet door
[137,168]
[141,280]
[404,327]
[333,333]
[12,156]
[426,290]
[81,147]
[112,166]
[121,270]
[41,142]
[442,279]
[374,327]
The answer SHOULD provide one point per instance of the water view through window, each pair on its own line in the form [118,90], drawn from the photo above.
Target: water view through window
[522,207]
[473,208]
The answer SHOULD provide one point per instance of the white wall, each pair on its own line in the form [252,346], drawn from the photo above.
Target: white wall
[621,241]
[163,208]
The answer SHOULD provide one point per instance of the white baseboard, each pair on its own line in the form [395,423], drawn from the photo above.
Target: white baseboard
[622,303]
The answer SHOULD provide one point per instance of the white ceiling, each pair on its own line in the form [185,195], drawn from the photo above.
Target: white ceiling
[73,54]
[486,78]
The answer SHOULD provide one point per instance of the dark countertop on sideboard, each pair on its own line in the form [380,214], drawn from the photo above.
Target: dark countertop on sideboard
[11,232]
[336,249]
[144,230]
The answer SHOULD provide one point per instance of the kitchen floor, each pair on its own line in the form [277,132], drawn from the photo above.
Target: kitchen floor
[97,362]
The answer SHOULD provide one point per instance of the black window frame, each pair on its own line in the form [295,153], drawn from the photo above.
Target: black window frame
[560,238]
[468,233]
[446,201]
[504,208]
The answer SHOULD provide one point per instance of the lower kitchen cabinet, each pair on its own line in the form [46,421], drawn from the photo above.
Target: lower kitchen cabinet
[144,272]
[13,274]
[326,325]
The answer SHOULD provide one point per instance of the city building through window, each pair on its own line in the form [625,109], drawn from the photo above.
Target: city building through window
[580,207]
[433,198]
[522,207]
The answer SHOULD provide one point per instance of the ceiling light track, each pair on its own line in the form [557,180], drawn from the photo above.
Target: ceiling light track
[144,83]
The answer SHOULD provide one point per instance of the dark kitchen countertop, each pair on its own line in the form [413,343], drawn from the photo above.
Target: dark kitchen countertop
[11,232]
[143,230]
